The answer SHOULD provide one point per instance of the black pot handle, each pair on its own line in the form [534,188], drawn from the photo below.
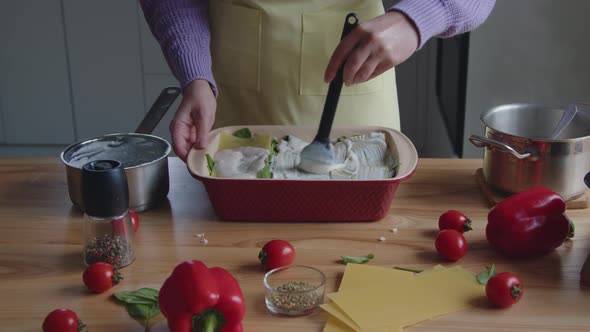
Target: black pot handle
[587,180]
[158,109]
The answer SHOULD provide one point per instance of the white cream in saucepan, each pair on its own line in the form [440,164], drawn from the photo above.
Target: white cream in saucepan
[361,157]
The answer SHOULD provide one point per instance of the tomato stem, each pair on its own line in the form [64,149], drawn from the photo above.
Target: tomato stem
[407,269]
[515,291]
[467,226]
[81,325]
[117,277]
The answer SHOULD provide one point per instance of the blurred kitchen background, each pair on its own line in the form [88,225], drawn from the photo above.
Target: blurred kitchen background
[75,69]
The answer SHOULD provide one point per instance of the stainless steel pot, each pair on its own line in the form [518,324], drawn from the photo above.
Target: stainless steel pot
[520,155]
[144,157]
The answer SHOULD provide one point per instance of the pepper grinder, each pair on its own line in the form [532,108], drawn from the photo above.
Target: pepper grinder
[108,232]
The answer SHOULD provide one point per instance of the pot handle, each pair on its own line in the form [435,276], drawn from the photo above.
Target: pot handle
[482,142]
[158,109]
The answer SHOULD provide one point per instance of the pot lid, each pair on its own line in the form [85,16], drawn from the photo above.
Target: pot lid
[131,150]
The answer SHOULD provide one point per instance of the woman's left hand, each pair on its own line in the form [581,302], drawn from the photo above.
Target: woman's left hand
[374,47]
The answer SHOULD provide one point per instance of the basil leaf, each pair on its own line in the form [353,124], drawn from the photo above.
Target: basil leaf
[143,312]
[274,147]
[140,296]
[141,304]
[357,259]
[210,163]
[485,275]
[265,173]
[243,133]
[140,311]
[407,269]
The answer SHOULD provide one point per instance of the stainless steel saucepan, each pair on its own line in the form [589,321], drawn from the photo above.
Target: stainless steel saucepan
[520,153]
[144,157]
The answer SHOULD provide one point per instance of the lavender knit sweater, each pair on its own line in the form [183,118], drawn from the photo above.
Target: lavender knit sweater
[182,28]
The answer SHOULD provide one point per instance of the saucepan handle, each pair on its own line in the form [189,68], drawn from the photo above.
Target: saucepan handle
[158,109]
[482,142]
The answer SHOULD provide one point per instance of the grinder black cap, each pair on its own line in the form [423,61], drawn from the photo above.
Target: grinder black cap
[104,189]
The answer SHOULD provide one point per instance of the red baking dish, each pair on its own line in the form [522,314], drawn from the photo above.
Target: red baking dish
[303,200]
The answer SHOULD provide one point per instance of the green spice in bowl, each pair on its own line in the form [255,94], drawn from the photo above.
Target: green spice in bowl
[294,290]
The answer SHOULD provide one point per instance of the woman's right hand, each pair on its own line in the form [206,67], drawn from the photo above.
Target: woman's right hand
[193,119]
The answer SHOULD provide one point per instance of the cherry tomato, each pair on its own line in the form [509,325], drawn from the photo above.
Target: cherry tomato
[62,320]
[450,244]
[454,219]
[134,220]
[504,289]
[100,277]
[276,253]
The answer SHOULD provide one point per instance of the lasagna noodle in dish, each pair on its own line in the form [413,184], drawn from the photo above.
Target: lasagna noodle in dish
[247,156]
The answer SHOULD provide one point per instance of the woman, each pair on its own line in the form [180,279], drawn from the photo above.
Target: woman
[247,62]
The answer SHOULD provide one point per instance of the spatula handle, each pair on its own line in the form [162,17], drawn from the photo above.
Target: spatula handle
[351,21]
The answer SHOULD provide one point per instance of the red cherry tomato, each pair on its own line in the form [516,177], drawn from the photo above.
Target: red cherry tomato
[62,320]
[454,219]
[450,244]
[504,289]
[134,220]
[100,277]
[276,253]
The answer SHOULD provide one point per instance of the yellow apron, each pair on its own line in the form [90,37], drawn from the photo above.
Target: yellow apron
[269,58]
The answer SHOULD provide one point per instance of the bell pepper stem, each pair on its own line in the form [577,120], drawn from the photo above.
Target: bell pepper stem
[210,320]
[572,231]
[210,323]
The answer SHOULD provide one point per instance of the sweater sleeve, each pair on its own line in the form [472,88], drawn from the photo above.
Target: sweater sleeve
[445,18]
[182,29]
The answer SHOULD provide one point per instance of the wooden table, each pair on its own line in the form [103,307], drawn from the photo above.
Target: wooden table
[41,261]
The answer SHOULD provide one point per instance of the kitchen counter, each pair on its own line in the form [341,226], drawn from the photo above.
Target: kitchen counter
[41,251]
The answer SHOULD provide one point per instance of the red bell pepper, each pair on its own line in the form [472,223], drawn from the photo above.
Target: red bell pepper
[529,223]
[196,298]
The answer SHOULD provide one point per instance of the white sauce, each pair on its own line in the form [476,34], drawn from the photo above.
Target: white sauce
[359,157]
[244,162]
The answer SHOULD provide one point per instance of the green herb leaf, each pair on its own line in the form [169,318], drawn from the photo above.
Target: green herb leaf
[357,259]
[210,163]
[485,275]
[341,138]
[407,269]
[144,312]
[141,304]
[243,133]
[274,147]
[264,173]
[140,296]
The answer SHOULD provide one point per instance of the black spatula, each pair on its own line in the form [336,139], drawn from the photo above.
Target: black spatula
[317,157]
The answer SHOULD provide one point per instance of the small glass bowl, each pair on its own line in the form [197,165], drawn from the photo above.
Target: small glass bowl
[294,290]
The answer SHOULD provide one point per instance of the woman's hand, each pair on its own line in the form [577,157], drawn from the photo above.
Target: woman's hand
[193,119]
[374,47]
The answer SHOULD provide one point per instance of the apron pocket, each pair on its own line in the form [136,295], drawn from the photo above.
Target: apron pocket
[321,35]
[235,45]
